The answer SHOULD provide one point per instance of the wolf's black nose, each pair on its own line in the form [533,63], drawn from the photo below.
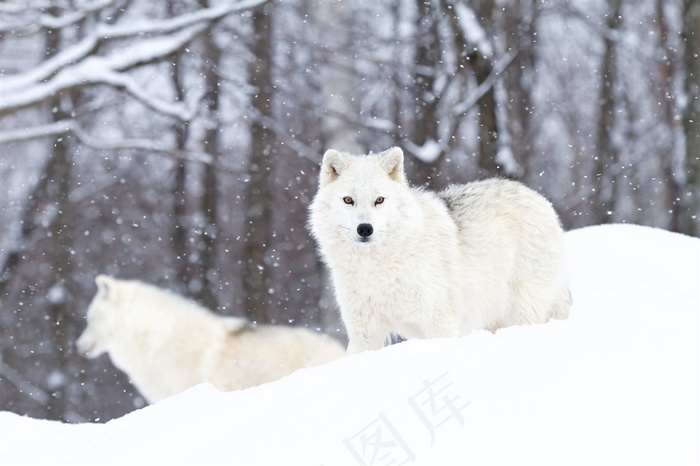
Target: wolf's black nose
[365,230]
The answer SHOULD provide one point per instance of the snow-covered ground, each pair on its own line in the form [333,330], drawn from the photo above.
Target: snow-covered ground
[619,382]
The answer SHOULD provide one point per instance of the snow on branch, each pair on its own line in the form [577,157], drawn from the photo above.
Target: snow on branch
[71,127]
[498,68]
[427,153]
[431,150]
[107,70]
[77,67]
[106,32]
[371,122]
[18,135]
[34,20]
[472,30]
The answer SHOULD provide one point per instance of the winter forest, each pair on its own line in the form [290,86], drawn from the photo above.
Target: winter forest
[178,143]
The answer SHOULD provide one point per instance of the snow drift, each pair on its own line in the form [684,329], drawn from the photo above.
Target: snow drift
[619,382]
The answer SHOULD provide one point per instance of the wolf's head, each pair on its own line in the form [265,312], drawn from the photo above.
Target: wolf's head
[362,200]
[95,339]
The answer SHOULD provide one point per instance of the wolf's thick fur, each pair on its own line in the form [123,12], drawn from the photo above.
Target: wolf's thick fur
[166,343]
[483,255]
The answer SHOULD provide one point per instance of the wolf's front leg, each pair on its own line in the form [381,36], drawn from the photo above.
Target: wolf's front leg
[359,341]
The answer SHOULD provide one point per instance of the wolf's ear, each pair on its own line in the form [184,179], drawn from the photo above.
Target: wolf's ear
[392,162]
[104,283]
[333,164]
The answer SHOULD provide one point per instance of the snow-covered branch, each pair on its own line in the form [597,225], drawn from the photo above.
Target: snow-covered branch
[472,30]
[34,132]
[486,85]
[77,67]
[36,19]
[465,105]
[70,127]
[378,124]
[107,70]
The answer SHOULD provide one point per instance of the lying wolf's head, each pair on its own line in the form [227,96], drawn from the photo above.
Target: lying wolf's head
[362,200]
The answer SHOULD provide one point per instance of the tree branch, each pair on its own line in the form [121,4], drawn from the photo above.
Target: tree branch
[16,379]
[76,67]
[70,127]
[484,87]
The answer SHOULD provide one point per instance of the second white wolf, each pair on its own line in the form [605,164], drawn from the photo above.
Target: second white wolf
[484,255]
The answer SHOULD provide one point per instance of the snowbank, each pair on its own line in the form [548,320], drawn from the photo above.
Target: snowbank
[619,382]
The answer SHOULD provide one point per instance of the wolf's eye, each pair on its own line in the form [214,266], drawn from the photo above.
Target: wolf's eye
[379,200]
[348,200]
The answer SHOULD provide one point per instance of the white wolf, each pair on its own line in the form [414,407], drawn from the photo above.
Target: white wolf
[483,255]
[166,343]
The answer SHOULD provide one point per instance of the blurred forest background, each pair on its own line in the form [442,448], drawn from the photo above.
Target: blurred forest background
[178,142]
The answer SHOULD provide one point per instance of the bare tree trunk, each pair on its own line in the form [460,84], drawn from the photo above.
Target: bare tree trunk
[59,291]
[181,221]
[337,75]
[29,225]
[474,58]
[258,214]
[49,199]
[425,98]
[401,104]
[607,156]
[690,197]
[520,80]
[209,234]
[61,234]
[488,123]
[665,98]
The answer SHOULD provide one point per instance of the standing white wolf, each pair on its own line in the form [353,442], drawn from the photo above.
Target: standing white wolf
[403,260]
